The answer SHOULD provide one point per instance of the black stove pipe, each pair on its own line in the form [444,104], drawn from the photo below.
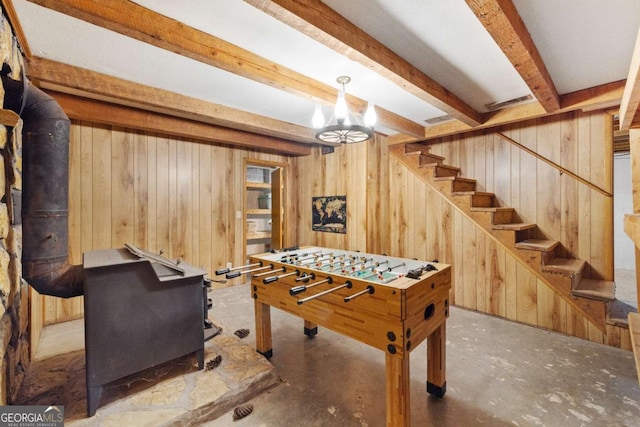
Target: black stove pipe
[45,198]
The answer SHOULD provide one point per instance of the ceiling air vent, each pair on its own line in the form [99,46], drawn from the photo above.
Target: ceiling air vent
[498,105]
[436,120]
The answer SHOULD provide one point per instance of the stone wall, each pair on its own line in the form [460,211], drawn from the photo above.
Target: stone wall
[14,292]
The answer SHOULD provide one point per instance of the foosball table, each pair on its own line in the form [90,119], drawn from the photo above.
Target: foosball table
[390,303]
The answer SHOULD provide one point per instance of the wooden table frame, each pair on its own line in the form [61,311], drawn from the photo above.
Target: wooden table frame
[400,314]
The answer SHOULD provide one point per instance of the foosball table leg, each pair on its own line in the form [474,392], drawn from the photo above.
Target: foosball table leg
[310,329]
[263,329]
[397,390]
[436,361]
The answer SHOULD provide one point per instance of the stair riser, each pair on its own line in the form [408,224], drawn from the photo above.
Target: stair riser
[412,148]
[462,186]
[512,236]
[484,201]
[442,171]
[426,159]
[568,282]
[537,259]
[503,217]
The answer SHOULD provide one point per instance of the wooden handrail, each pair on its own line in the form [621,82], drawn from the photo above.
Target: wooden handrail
[555,165]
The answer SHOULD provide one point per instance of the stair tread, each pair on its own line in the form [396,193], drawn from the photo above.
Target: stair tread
[568,266]
[517,226]
[538,245]
[604,290]
[452,178]
[472,193]
[490,209]
[618,313]
[437,158]
[439,166]
[412,153]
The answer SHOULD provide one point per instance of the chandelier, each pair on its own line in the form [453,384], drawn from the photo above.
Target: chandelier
[344,128]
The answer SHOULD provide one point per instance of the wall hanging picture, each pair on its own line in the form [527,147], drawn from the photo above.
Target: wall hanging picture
[329,214]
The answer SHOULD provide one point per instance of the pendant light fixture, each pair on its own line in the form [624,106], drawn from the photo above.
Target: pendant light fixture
[344,128]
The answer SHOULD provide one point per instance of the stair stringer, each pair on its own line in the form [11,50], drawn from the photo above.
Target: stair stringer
[534,261]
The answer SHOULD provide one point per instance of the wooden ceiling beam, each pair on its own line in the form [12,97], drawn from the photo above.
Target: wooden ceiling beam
[132,20]
[80,108]
[323,24]
[60,77]
[595,98]
[629,112]
[501,19]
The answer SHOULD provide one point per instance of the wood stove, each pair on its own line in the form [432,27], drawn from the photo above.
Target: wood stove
[140,310]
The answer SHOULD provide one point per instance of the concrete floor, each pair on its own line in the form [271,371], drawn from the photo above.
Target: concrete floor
[498,373]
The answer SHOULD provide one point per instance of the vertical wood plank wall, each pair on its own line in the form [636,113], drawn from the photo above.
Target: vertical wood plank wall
[422,225]
[348,172]
[155,192]
[182,196]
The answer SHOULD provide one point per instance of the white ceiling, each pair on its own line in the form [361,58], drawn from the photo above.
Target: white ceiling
[584,43]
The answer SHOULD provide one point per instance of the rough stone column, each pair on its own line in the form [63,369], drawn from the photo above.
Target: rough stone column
[14,293]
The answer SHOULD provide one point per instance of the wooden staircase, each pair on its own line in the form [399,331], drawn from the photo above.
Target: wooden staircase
[594,299]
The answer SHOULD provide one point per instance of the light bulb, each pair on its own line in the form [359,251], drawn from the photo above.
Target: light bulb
[317,121]
[370,116]
[341,111]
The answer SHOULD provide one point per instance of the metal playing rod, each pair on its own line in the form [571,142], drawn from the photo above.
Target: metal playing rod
[226,270]
[345,264]
[299,289]
[369,290]
[296,257]
[235,274]
[283,269]
[363,262]
[350,264]
[306,277]
[314,255]
[253,270]
[396,266]
[347,285]
[318,259]
[272,279]
[373,270]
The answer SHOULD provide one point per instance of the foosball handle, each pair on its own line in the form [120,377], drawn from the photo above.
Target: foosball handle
[232,275]
[222,271]
[268,280]
[297,290]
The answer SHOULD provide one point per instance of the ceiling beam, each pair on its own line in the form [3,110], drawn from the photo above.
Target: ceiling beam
[501,19]
[595,98]
[629,113]
[80,108]
[317,20]
[61,77]
[127,18]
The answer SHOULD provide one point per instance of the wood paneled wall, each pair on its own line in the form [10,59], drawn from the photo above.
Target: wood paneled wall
[398,214]
[359,171]
[156,192]
[577,215]
[182,197]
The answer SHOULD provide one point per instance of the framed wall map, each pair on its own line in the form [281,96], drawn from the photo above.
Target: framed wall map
[329,214]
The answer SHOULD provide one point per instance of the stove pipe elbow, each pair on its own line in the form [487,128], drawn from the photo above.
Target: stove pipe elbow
[45,198]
